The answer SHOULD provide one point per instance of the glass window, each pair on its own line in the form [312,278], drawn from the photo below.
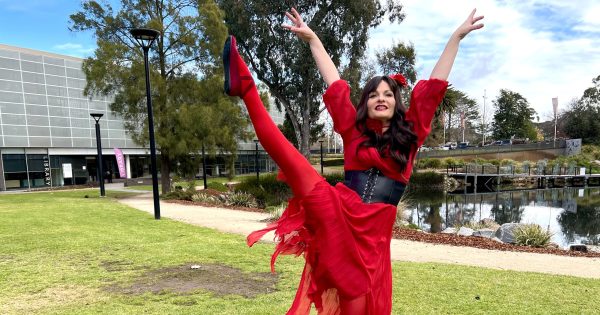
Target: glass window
[38,131]
[32,66]
[80,113]
[11,97]
[60,122]
[12,119]
[35,162]
[34,88]
[82,123]
[9,54]
[30,57]
[56,91]
[15,141]
[40,141]
[97,105]
[58,101]
[11,130]
[10,86]
[14,163]
[10,75]
[35,99]
[7,108]
[54,61]
[76,93]
[61,142]
[73,64]
[33,77]
[75,73]
[39,110]
[75,83]
[37,120]
[54,80]
[116,143]
[115,133]
[54,70]
[82,142]
[60,132]
[78,103]
[9,63]
[58,111]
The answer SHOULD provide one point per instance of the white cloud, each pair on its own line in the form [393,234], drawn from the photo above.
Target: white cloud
[72,49]
[540,49]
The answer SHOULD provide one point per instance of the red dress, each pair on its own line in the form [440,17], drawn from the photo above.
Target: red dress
[345,242]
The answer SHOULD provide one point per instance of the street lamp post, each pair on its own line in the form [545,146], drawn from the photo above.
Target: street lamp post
[321,143]
[145,37]
[100,172]
[256,159]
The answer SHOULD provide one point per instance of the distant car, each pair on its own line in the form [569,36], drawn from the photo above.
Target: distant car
[463,145]
[450,145]
[424,149]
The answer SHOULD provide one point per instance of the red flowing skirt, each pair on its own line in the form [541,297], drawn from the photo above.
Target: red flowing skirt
[346,246]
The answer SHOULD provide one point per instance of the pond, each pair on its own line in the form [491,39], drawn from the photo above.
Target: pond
[571,214]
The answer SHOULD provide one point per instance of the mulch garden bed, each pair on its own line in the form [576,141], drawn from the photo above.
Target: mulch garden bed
[480,242]
[213,192]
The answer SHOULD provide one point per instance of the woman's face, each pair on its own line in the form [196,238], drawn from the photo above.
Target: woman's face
[381,103]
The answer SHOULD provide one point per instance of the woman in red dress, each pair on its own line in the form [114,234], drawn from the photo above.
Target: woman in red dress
[344,231]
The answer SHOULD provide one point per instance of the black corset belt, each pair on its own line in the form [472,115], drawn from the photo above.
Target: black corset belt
[372,186]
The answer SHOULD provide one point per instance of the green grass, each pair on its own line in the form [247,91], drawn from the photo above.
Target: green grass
[55,247]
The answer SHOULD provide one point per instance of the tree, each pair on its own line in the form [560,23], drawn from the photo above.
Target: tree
[448,113]
[582,118]
[284,63]
[513,117]
[185,68]
[400,58]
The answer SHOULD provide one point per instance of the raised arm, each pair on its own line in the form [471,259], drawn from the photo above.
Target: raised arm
[324,63]
[444,65]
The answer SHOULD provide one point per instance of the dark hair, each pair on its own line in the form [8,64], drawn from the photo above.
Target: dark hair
[399,138]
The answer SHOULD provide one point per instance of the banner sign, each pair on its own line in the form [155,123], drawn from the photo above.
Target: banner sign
[121,163]
[67,170]
[47,176]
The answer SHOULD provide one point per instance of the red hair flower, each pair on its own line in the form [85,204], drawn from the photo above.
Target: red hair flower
[400,79]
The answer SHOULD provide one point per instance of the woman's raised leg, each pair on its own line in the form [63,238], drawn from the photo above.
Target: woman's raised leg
[300,175]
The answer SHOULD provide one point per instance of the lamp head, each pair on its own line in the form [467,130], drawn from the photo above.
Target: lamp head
[96,116]
[144,36]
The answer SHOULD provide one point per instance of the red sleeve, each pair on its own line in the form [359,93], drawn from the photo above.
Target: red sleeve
[424,100]
[339,106]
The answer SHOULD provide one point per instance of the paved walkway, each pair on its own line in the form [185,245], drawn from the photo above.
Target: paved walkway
[244,222]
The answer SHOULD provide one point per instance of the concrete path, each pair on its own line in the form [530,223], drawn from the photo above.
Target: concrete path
[244,222]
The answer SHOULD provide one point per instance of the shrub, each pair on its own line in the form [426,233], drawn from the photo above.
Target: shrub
[426,180]
[275,212]
[334,178]
[206,198]
[333,162]
[240,199]
[268,192]
[532,235]
[429,163]
[217,186]
[179,194]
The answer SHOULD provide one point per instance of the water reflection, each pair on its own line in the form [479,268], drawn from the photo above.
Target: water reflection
[572,214]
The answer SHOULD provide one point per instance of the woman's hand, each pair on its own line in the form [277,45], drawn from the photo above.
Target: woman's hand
[299,27]
[469,25]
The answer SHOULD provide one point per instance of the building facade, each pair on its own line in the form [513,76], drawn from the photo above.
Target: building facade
[47,136]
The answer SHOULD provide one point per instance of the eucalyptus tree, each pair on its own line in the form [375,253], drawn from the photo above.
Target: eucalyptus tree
[284,63]
[185,68]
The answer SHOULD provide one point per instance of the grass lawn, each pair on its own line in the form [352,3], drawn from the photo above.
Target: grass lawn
[61,253]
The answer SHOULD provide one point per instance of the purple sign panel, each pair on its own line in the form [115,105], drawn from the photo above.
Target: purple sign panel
[121,163]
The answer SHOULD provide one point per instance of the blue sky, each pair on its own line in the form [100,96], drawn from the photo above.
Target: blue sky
[538,48]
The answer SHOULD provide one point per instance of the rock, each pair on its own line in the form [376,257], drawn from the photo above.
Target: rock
[506,232]
[484,233]
[578,248]
[449,230]
[465,231]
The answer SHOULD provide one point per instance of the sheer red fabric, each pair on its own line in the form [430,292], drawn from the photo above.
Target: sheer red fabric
[346,243]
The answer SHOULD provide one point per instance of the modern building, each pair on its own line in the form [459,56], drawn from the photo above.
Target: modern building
[47,137]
